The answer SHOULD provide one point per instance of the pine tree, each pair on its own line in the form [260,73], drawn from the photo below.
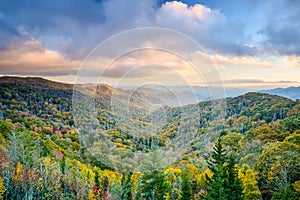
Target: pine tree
[234,183]
[97,185]
[152,185]
[218,157]
[186,190]
[218,182]
[224,184]
[126,187]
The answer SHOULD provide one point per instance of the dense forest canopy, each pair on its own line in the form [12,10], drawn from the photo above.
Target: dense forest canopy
[247,147]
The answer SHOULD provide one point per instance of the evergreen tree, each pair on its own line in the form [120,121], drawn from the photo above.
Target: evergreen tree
[218,157]
[97,185]
[186,190]
[152,185]
[126,187]
[224,184]
[234,183]
[285,193]
[219,181]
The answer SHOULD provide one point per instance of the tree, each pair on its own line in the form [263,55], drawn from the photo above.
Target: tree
[126,187]
[18,183]
[218,157]
[285,193]
[218,182]
[152,185]
[278,177]
[5,129]
[186,190]
[233,140]
[248,177]
[2,188]
[224,184]
[173,183]
[273,163]
[234,183]
[190,178]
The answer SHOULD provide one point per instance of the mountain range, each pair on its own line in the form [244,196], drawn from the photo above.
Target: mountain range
[289,92]
[91,136]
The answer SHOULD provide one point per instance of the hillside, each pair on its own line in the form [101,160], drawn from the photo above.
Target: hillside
[45,152]
[289,92]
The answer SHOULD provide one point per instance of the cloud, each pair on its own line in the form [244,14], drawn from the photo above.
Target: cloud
[255,81]
[53,37]
[31,58]
[74,27]
[209,27]
[145,63]
[7,34]
[241,61]
[282,32]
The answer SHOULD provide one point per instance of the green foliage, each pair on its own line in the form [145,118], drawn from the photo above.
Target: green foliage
[275,165]
[224,183]
[41,156]
[233,140]
[285,193]
[294,138]
[234,183]
[152,185]
[126,187]
[5,129]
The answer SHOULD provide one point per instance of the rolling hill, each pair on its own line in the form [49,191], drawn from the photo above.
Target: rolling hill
[55,147]
[289,92]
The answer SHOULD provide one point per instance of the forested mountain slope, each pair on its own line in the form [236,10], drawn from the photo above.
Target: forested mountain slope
[43,157]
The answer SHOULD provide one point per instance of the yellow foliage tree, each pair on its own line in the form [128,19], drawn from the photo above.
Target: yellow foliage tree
[248,177]
[172,181]
[135,178]
[18,176]
[296,186]
[91,195]
[2,188]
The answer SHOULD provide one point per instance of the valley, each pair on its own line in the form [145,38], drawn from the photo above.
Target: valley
[51,148]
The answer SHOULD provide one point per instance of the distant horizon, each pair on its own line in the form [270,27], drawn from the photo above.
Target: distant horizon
[150,99]
[249,44]
[254,88]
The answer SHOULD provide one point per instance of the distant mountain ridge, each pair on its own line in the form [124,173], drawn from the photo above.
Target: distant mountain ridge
[35,82]
[178,95]
[289,92]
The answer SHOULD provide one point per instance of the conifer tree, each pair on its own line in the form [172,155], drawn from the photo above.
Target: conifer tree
[186,190]
[126,187]
[234,183]
[224,184]
[218,182]
[218,157]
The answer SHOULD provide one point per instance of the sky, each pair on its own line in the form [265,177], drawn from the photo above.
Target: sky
[251,43]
